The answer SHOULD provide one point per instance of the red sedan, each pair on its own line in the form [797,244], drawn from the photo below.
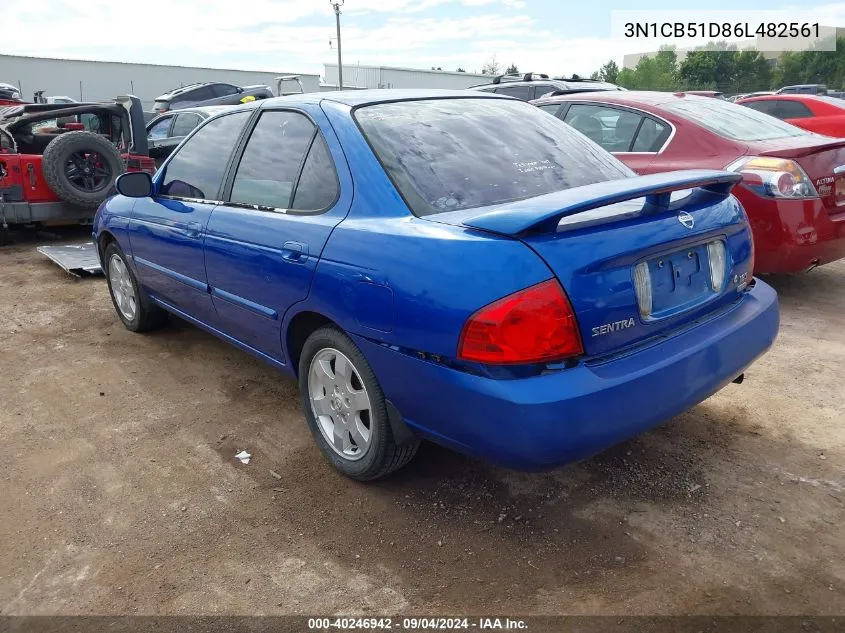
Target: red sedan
[793,186]
[816,113]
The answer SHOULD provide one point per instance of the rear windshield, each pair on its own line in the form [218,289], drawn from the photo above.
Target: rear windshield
[731,120]
[835,101]
[451,154]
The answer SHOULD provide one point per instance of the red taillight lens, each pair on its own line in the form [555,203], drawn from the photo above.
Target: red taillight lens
[530,326]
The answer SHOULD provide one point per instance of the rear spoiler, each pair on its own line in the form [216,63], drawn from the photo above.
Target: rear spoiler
[544,214]
[823,145]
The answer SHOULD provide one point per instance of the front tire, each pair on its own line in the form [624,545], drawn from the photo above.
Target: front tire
[346,410]
[131,303]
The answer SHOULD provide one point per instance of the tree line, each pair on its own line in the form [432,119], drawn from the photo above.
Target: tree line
[722,67]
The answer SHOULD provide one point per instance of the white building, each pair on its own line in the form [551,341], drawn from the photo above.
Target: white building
[98,81]
[357,76]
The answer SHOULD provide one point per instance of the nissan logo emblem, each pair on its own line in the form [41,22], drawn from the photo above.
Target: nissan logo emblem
[686,219]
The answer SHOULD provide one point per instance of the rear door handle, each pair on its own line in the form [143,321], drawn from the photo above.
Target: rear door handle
[295,252]
[193,230]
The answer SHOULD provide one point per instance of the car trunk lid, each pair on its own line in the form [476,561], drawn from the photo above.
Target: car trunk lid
[635,263]
[821,157]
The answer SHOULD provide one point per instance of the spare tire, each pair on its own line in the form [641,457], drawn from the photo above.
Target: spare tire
[81,168]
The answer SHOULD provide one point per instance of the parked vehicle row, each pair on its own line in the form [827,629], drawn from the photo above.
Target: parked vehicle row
[165,132]
[528,86]
[209,94]
[793,181]
[388,246]
[58,162]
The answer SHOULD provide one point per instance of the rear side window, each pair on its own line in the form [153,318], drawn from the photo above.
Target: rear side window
[272,160]
[540,90]
[223,90]
[451,154]
[161,105]
[611,128]
[196,169]
[184,124]
[792,110]
[317,188]
[520,92]
[551,108]
[732,121]
[651,137]
[769,106]
[197,94]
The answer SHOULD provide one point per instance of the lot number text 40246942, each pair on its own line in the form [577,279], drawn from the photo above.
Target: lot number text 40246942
[417,624]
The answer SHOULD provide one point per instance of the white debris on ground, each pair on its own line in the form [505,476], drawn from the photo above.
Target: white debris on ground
[244,457]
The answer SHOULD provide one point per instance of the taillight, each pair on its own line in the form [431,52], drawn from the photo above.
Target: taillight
[642,287]
[530,326]
[774,177]
[718,264]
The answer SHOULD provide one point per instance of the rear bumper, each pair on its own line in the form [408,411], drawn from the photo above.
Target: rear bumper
[791,236]
[26,213]
[546,421]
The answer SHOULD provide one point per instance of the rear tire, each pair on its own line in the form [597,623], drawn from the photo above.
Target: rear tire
[131,303]
[346,410]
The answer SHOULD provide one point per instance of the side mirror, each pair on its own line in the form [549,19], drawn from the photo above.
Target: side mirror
[134,184]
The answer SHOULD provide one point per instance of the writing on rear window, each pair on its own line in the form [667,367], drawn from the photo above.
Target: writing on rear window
[536,165]
[451,154]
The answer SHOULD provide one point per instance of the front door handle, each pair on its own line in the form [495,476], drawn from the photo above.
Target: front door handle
[295,252]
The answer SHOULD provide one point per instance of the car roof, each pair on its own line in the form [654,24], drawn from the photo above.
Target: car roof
[369,97]
[786,97]
[209,110]
[632,97]
[182,89]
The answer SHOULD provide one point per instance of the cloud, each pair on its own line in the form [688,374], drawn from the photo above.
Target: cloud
[294,35]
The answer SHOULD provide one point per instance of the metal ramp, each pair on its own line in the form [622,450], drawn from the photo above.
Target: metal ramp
[77,259]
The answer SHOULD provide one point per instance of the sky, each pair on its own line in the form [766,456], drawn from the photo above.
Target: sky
[555,37]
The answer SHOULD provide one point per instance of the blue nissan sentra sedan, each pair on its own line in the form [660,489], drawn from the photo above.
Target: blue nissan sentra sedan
[449,266]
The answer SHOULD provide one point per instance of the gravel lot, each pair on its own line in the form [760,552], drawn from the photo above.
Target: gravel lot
[121,493]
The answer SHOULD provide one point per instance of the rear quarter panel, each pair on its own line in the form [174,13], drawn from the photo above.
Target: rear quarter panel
[401,280]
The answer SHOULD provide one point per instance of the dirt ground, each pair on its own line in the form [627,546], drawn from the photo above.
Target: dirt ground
[121,494]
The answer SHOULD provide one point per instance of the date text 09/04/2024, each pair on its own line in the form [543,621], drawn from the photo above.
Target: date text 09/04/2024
[721,29]
[416,624]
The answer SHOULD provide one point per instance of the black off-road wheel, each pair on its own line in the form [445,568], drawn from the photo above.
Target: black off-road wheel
[346,410]
[81,168]
[131,303]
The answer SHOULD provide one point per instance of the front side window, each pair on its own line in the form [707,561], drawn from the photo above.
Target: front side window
[451,154]
[160,129]
[196,169]
[732,121]
[272,160]
[611,128]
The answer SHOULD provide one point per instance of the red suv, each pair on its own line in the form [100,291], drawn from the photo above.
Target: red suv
[58,162]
